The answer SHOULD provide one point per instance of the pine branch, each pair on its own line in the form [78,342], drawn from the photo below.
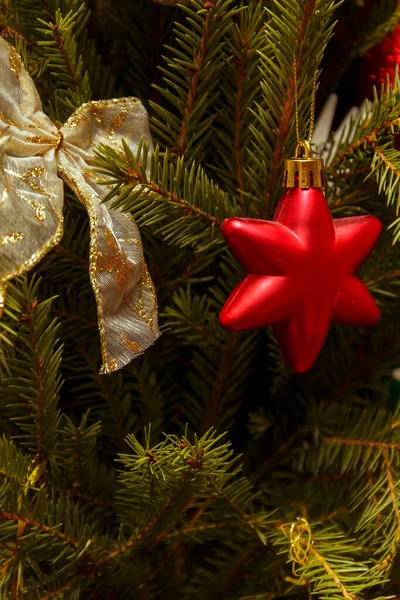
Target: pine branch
[64,588]
[53,41]
[235,563]
[8,516]
[35,383]
[61,546]
[14,467]
[378,524]
[106,389]
[75,452]
[219,364]
[182,202]
[8,330]
[240,90]
[181,473]
[386,168]
[371,136]
[60,49]
[395,503]
[294,32]
[377,34]
[191,84]
[332,567]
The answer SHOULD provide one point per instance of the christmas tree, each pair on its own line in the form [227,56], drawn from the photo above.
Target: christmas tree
[205,467]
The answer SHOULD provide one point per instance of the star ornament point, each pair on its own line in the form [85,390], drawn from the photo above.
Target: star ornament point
[300,274]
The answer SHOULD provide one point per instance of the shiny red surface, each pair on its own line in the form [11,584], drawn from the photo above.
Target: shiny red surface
[300,274]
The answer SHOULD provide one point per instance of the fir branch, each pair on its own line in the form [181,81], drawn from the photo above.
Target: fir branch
[135,178]
[238,568]
[67,586]
[103,387]
[240,90]
[377,34]
[14,467]
[363,434]
[386,169]
[199,473]
[76,448]
[194,76]
[57,44]
[191,78]
[184,204]
[391,166]
[216,399]
[291,34]
[132,34]
[35,383]
[371,135]
[149,389]
[331,573]
[214,526]
[366,443]
[241,71]
[60,48]
[123,549]
[192,318]
[8,330]
[50,531]
[333,568]
[288,108]
[235,562]
[395,503]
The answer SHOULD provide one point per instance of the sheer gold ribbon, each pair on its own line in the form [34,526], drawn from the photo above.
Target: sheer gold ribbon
[32,154]
[300,538]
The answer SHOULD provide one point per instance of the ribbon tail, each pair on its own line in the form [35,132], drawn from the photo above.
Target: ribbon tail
[126,301]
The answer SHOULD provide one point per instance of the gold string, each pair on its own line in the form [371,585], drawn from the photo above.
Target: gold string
[312,110]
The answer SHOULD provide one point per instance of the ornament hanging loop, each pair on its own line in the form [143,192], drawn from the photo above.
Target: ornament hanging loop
[304,170]
[303,149]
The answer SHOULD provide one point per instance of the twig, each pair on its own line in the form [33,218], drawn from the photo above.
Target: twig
[384,159]
[238,119]
[194,80]
[366,443]
[135,177]
[6,515]
[369,138]
[346,594]
[217,394]
[60,590]
[39,383]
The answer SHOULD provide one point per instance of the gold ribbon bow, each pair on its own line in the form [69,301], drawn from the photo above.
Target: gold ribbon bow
[32,150]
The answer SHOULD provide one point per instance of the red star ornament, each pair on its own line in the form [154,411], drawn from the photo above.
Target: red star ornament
[300,274]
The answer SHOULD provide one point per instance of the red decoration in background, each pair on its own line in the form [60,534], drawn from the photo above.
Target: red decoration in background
[381,60]
[378,62]
[300,274]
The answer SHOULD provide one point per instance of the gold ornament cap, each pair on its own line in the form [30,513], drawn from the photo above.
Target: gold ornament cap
[304,170]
